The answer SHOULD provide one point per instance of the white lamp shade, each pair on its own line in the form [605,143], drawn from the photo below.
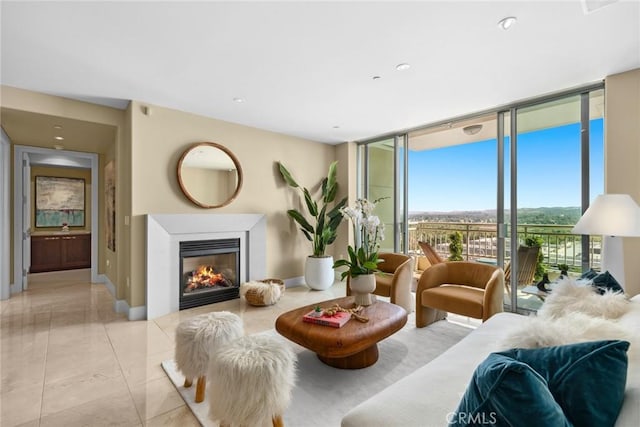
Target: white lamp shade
[610,215]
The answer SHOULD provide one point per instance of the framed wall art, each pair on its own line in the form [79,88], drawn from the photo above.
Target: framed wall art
[59,201]
[110,204]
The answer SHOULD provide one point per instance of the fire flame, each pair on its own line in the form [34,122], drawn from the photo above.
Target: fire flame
[204,277]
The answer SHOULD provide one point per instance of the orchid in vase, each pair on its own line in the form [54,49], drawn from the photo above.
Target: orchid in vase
[368,232]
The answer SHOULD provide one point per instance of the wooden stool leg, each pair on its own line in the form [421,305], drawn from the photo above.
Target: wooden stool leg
[187,382]
[200,386]
[277,421]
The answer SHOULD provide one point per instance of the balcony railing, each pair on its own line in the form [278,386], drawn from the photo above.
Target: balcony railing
[480,242]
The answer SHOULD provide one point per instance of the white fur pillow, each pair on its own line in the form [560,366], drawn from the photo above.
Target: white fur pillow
[569,297]
[538,331]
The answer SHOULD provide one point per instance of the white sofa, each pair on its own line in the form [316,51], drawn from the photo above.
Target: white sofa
[427,397]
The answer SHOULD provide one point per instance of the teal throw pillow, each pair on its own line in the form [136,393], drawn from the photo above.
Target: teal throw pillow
[606,282]
[588,275]
[587,379]
[572,385]
[505,392]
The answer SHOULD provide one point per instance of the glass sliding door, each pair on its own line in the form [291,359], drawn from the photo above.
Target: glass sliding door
[384,170]
[452,174]
[553,164]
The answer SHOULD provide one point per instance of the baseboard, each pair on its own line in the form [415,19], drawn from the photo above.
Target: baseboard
[299,281]
[133,313]
[121,306]
[137,313]
[294,281]
[102,278]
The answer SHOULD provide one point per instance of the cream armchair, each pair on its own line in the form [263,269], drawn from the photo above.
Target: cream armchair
[394,279]
[466,288]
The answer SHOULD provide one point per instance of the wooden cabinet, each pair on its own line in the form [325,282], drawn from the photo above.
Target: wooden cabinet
[60,252]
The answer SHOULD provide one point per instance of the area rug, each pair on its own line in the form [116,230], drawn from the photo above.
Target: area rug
[323,395]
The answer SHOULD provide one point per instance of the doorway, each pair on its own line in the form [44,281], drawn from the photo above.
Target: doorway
[24,157]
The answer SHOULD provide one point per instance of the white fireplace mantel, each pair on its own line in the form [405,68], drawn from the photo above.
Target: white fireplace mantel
[166,231]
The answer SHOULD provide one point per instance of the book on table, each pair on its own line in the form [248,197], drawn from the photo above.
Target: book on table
[335,321]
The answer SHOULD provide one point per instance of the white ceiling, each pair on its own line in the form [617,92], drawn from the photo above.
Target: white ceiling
[307,68]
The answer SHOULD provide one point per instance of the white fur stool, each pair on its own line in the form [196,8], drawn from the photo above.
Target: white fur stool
[197,339]
[254,377]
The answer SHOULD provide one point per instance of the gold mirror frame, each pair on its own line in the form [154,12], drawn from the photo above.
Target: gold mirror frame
[188,156]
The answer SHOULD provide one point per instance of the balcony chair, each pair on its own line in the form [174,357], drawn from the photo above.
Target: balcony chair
[462,287]
[527,262]
[394,279]
[422,262]
[432,256]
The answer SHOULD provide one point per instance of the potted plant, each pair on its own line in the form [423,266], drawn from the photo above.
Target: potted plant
[363,259]
[455,246]
[321,230]
[564,270]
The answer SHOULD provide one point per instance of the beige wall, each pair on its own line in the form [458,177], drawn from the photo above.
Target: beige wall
[622,158]
[123,208]
[158,141]
[346,155]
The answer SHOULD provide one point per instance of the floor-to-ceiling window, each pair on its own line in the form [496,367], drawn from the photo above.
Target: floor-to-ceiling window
[553,165]
[520,174]
[452,188]
[383,177]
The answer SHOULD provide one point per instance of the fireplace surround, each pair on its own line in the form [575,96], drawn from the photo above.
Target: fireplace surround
[165,232]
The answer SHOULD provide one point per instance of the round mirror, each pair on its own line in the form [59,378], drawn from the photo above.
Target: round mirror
[209,175]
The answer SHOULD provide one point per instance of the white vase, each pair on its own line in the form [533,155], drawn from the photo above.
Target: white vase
[361,288]
[318,272]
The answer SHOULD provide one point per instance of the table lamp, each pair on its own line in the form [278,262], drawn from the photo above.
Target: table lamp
[613,216]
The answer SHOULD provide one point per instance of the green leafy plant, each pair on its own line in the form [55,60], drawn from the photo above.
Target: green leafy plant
[455,246]
[326,219]
[368,232]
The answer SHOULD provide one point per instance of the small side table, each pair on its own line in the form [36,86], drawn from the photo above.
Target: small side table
[533,290]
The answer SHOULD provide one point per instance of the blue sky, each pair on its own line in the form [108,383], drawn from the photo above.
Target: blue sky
[463,177]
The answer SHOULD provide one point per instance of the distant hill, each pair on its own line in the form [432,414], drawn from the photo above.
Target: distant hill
[544,215]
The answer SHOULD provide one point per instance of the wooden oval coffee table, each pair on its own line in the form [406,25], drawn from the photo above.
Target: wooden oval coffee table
[354,345]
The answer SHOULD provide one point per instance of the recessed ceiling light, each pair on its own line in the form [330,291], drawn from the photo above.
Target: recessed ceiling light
[589,6]
[376,77]
[57,127]
[403,66]
[58,138]
[238,100]
[58,147]
[336,127]
[506,23]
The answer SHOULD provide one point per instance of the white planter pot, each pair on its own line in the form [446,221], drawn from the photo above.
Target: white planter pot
[318,273]
[361,288]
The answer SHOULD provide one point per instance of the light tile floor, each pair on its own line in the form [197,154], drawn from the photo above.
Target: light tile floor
[66,359]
